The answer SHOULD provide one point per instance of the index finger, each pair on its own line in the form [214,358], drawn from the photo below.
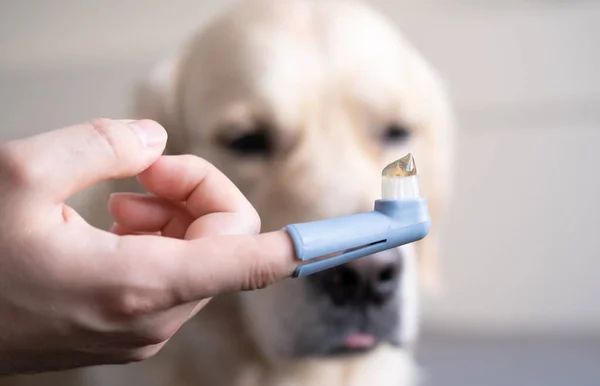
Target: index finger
[191,270]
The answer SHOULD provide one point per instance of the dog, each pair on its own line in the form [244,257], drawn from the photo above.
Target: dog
[301,103]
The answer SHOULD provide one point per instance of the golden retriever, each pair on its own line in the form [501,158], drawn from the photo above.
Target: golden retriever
[301,103]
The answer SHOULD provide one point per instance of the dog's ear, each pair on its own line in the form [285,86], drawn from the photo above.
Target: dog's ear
[155,97]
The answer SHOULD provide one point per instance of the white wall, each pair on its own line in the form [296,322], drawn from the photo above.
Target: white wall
[521,251]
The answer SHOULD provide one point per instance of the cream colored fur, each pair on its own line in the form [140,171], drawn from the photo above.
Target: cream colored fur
[327,75]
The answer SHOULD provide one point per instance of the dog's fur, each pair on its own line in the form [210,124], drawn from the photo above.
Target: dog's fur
[324,80]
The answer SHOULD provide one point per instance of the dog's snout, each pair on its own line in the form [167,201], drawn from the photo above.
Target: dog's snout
[370,283]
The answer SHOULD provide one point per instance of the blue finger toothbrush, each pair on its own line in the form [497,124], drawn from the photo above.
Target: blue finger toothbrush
[400,217]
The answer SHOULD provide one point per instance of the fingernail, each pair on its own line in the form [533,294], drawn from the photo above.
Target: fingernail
[150,133]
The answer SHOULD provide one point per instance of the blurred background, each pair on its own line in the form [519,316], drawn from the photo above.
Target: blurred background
[521,264]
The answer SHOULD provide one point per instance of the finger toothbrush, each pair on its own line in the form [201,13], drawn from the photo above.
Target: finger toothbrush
[400,217]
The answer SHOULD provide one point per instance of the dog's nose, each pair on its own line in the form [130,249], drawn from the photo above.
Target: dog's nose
[371,281]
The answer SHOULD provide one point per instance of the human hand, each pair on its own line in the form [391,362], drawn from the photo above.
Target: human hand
[72,295]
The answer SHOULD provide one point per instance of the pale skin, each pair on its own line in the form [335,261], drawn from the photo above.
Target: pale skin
[72,295]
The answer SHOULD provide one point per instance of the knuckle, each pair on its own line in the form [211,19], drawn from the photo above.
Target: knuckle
[131,303]
[16,169]
[106,130]
[260,273]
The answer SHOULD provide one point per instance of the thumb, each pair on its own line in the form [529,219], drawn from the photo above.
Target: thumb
[59,163]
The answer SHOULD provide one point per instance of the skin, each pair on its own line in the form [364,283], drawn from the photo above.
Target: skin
[73,295]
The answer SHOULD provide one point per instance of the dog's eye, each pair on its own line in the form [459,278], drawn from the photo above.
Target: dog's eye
[395,133]
[255,142]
